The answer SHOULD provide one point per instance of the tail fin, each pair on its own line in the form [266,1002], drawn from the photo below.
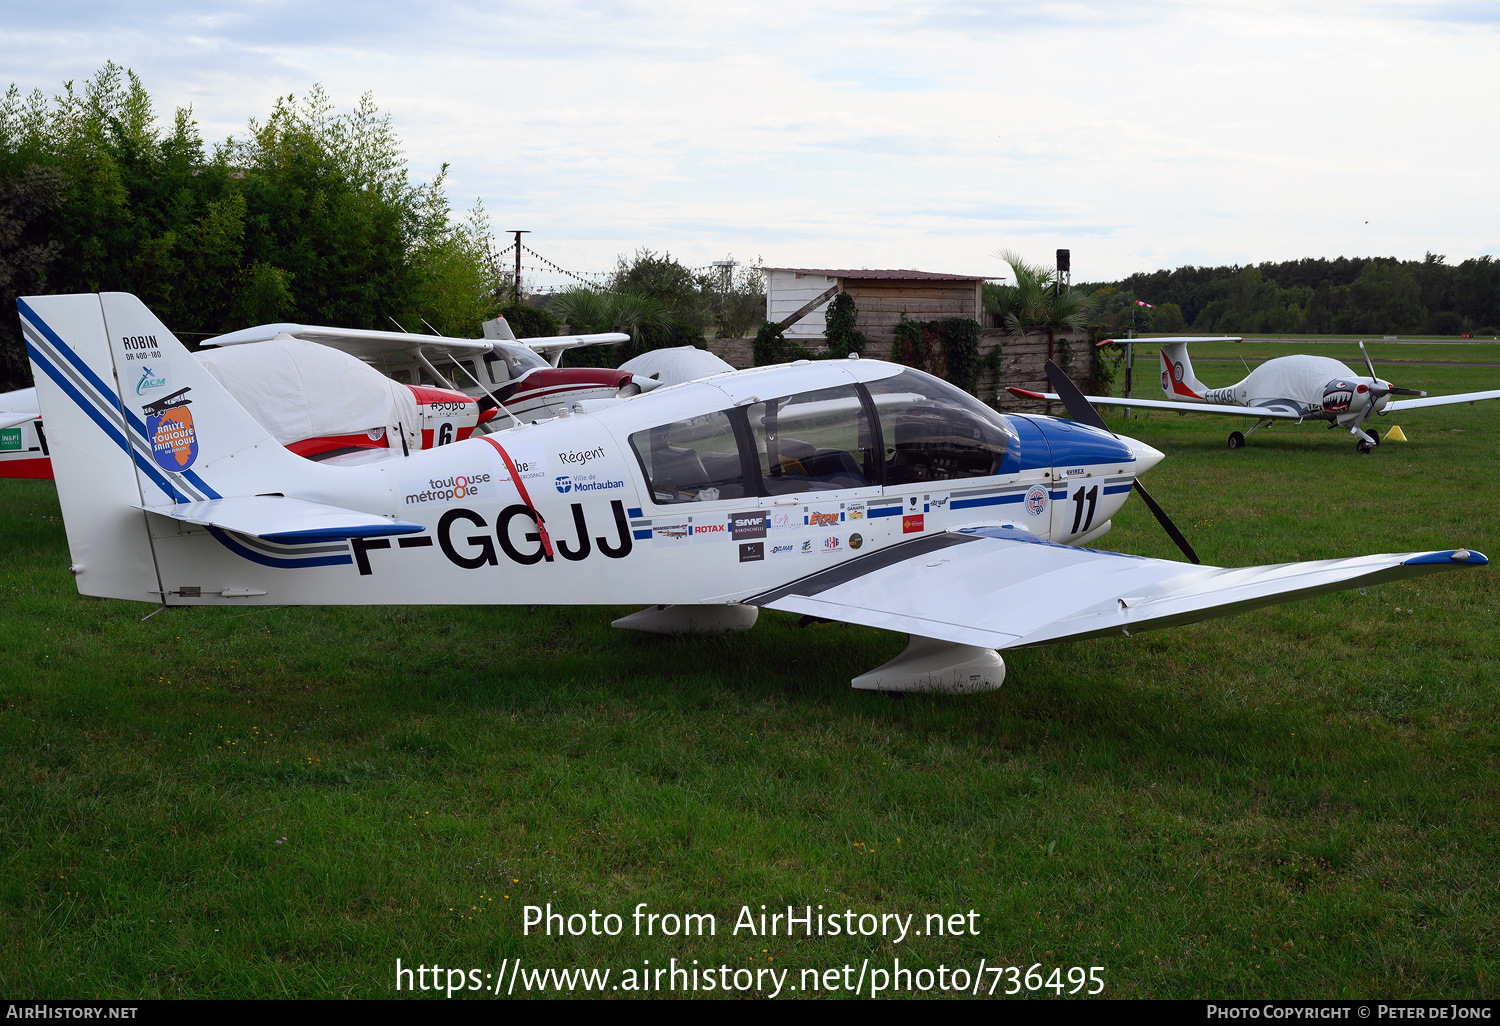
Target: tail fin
[1177,378]
[121,399]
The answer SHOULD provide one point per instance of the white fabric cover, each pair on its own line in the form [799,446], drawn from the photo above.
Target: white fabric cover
[299,390]
[1297,377]
[674,366]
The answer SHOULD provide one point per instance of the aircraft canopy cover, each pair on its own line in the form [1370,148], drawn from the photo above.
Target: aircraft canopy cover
[675,366]
[298,390]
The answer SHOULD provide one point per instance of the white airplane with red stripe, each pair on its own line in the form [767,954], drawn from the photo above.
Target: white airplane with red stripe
[1287,388]
[850,490]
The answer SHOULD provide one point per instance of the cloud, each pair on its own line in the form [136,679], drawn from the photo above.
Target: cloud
[1138,134]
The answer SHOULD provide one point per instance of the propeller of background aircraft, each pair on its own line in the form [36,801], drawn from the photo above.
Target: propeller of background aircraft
[1081,410]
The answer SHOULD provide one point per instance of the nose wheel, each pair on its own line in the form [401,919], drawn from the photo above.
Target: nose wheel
[1367,443]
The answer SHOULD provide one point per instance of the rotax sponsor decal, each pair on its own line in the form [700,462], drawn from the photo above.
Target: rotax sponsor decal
[453,488]
[711,531]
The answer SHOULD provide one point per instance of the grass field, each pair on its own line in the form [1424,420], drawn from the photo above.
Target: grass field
[1301,801]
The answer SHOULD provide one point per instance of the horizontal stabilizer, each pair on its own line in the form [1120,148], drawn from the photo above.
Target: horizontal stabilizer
[998,587]
[276,518]
[10,418]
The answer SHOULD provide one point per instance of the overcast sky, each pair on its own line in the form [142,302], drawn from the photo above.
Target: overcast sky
[1138,134]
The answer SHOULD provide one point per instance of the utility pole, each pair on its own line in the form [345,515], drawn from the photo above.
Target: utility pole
[516,285]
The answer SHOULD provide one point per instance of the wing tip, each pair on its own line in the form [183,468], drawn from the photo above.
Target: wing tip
[1446,557]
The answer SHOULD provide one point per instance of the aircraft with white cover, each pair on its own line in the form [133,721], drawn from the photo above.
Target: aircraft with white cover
[1294,388]
[330,393]
[851,490]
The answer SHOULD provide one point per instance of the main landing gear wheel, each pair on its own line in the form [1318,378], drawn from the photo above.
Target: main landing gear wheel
[1236,440]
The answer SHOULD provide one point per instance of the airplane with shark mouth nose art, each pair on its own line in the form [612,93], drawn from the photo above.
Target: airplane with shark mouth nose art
[1294,388]
[851,490]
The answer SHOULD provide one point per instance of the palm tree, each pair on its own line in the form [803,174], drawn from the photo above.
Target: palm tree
[1037,300]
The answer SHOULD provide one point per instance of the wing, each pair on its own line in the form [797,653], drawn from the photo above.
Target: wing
[998,587]
[276,518]
[1259,412]
[1397,405]
[10,418]
[366,344]
[552,347]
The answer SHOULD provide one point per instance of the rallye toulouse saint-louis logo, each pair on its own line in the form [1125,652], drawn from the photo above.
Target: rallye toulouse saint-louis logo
[169,428]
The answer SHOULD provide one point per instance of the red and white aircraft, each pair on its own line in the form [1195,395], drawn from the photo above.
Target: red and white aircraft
[330,393]
[851,490]
[1294,388]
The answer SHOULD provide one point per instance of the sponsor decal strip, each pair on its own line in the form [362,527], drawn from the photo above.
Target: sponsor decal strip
[891,511]
[515,478]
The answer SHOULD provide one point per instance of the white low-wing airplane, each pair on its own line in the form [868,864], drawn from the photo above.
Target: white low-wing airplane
[1294,388]
[854,490]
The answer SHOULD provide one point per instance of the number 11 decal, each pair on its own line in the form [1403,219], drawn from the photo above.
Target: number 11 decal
[1093,500]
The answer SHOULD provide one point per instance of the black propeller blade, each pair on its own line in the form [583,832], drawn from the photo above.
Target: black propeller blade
[1081,410]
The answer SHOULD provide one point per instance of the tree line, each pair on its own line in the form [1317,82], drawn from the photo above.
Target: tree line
[309,216]
[1344,296]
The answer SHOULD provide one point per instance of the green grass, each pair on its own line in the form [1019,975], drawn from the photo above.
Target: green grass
[1301,801]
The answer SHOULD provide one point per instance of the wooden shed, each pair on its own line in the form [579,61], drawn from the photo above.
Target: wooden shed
[801,295]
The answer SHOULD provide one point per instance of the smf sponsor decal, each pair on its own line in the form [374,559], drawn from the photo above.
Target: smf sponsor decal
[752,552]
[169,428]
[472,551]
[666,534]
[911,523]
[447,489]
[856,540]
[747,525]
[1036,501]
[10,438]
[140,347]
[782,549]
[580,457]
[585,483]
[157,375]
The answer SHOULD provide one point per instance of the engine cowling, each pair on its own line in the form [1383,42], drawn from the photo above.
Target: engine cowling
[1342,396]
